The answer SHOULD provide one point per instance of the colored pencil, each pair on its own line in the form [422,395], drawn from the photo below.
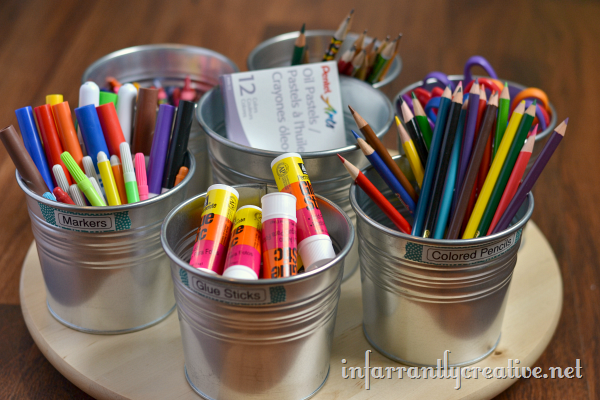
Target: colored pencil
[482,212]
[414,132]
[338,38]
[380,60]
[385,173]
[389,62]
[379,199]
[299,47]
[306,55]
[515,179]
[361,72]
[463,192]
[468,138]
[411,153]
[345,60]
[374,142]
[356,63]
[430,166]
[443,161]
[480,109]
[359,42]
[532,176]
[502,121]
[422,120]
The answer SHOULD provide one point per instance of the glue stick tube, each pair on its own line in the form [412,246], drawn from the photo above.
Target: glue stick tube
[210,249]
[279,244]
[244,255]
[314,243]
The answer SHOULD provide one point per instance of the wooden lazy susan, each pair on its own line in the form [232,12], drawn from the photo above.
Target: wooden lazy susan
[149,364]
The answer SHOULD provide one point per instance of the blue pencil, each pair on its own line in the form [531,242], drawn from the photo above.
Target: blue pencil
[448,194]
[386,174]
[430,168]
[33,145]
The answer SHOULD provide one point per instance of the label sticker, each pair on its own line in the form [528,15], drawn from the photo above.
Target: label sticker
[86,222]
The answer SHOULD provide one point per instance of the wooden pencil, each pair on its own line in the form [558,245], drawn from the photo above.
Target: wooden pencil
[389,62]
[344,63]
[411,153]
[338,38]
[415,133]
[299,47]
[359,42]
[422,121]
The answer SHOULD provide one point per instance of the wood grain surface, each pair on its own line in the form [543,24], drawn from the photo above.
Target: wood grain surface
[46,46]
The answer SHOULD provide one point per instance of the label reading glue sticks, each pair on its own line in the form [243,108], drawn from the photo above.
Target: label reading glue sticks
[213,235]
[244,255]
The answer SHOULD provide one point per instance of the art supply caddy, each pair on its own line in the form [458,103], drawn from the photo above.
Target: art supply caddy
[258,258]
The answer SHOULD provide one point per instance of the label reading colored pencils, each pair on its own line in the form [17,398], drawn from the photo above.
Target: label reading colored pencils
[86,222]
[289,109]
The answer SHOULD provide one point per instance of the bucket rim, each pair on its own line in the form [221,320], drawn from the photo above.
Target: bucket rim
[341,255]
[123,207]
[272,153]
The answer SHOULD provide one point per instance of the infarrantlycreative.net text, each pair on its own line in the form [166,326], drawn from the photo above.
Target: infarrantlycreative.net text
[442,371]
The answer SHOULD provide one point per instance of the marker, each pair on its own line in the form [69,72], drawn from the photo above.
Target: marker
[67,132]
[113,135]
[126,101]
[52,99]
[91,131]
[160,146]
[83,183]
[62,196]
[89,93]
[179,142]
[115,163]
[107,97]
[145,117]
[76,195]
[140,175]
[49,196]
[129,175]
[52,146]
[32,143]
[96,187]
[90,171]
[60,178]
[110,186]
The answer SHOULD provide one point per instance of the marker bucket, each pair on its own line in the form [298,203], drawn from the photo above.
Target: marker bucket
[514,88]
[424,296]
[170,64]
[277,52]
[233,163]
[104,269]
[261,339]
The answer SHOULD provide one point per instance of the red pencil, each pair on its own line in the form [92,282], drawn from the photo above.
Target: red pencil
[487,158]
[515,178]
[375,195]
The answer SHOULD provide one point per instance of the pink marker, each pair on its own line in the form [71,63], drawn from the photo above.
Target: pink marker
[140,176]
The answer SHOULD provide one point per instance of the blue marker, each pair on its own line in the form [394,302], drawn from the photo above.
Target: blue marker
[93,138]
[49,196]
[31,140]
[385,173]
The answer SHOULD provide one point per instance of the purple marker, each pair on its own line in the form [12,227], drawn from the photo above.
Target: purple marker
[160,146]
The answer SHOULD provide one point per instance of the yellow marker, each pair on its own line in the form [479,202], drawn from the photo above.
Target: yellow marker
[53,99]
[108,179]
[411,153]
[494,172]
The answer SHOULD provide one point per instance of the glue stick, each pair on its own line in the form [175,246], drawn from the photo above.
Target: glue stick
[279,245]
[210,249]
[314,243]
[244,255]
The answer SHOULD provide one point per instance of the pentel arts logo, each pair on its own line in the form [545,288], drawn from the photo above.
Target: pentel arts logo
[329,110]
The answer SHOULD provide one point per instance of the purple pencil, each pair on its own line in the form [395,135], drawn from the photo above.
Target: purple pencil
[160,146]
[467,145]
[532,176]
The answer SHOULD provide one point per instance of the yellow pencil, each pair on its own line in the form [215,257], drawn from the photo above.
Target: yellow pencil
[494,172]
[411,153]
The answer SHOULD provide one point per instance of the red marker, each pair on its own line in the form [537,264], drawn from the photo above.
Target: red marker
[113,134]
[62,196]
[52,146]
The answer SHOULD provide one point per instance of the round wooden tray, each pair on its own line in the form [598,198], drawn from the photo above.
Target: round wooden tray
[149,364]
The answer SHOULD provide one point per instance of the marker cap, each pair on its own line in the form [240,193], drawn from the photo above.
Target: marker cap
[107,97]
[53,99]
[316,251]
[278,205]
[240,272]
[284,156]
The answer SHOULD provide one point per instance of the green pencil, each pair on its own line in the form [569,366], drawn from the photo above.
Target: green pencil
[299,47]
[382,58]
[502,120]
[422,121]
[507,167]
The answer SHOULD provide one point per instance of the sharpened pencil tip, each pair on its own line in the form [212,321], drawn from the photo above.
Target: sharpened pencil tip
[351,109]
[303,28]
[566,121]
[341,159]
[352,11]
[354,133]
[397,121]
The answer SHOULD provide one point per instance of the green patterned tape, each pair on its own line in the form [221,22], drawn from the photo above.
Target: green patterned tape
[86,222]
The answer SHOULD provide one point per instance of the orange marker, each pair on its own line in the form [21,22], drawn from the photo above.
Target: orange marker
[183,171]
[52,145]
[67,132]
[115,164]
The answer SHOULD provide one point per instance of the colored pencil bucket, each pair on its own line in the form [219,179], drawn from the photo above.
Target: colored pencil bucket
[422,297]
[277,52]
[170,64]
[514,89]
[104,269]
[234,164]
[263,339]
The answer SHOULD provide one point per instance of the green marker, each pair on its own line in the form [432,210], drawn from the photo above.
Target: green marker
[133,196]
[502,122]
[108,97]
[83,183]
[299,47]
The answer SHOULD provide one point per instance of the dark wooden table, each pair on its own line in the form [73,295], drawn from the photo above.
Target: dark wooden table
[555,46]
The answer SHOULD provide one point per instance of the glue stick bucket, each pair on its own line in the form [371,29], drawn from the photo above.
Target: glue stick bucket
[514,88]
[170,64]
[104,269]
[255,339]
[234,164]
[277,52]
[422,297]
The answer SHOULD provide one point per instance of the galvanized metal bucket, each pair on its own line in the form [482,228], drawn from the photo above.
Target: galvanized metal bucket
[104,268]
[424,296]
[277,52]
[263,339]
[170,64]
[233,163]
[514,88]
